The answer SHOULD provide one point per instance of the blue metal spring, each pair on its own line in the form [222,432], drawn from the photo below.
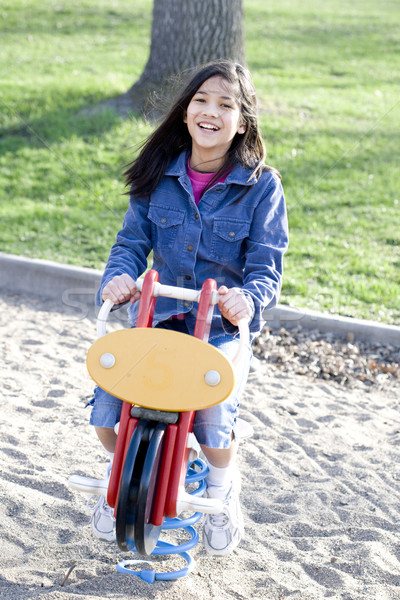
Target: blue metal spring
[165,548]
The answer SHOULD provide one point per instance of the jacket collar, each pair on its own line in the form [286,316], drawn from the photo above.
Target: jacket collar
[239,174]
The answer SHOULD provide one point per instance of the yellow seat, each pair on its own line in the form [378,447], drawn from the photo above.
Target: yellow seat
[160,369]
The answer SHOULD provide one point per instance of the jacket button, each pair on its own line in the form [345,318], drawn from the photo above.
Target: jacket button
[231,234]
[186,304]
[190,248]
[163,220]
[196,216]
[188,277]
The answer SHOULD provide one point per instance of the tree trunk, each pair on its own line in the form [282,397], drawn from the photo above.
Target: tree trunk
[186,33]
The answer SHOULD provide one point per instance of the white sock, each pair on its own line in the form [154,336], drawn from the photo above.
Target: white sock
[219,480]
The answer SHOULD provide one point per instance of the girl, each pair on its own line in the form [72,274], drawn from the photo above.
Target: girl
[203,200]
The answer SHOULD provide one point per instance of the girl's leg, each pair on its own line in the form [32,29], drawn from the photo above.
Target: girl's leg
[221,457]
[105,414]
[214,427]
[219,446]
[215,430]
[107,437]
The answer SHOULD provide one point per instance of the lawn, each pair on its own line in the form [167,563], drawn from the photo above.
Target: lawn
[328,79]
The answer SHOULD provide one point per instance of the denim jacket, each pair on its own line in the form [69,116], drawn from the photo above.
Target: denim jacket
[237,235]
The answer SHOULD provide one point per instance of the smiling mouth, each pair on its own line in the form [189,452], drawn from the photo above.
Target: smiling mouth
[208,127]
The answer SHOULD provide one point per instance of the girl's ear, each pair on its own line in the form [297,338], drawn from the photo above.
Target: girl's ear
[242,128]
[184,116]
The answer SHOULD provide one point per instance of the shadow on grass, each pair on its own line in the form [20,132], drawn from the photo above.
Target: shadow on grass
[85,121]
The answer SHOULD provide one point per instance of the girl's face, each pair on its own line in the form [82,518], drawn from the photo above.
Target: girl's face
[213,119]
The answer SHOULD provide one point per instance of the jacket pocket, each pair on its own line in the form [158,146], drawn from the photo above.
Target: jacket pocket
[165,223]
[227,238]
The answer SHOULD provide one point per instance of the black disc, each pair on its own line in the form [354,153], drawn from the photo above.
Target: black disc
[145,533]
[129,484]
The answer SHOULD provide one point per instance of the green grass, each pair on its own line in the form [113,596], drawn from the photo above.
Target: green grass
[328,79]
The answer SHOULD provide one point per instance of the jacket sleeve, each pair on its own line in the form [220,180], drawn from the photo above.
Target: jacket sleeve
[132,246]
[267,242]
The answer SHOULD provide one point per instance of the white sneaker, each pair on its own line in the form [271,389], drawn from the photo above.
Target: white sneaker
[102,520]
[223,532]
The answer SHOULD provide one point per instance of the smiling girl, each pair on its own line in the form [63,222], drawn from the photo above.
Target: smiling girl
[203,200]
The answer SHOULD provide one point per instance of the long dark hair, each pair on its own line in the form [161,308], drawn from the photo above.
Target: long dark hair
[172,135]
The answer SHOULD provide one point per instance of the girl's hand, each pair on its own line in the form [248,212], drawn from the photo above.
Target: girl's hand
[120,289]
[234,305]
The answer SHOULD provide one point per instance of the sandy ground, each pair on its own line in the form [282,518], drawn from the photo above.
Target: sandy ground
[321,481]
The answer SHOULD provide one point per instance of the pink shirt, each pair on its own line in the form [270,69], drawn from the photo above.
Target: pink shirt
[200,180]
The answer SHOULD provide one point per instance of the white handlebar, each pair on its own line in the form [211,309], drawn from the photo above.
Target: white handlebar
[171,291]
[178,293]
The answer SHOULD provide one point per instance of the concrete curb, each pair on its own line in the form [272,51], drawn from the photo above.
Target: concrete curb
[51,280]
[76,286]
[346,327]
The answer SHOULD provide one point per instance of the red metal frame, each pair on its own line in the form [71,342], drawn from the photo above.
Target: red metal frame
[119,455]
[181,454]
[165,470]
[147,300]
[144,319]
[205,310]
[175,452]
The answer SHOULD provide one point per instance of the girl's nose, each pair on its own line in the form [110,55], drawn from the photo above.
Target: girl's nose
[210,111]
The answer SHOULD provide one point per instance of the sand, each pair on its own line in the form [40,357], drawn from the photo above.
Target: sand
[321,481]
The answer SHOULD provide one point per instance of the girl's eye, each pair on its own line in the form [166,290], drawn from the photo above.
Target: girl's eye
[227,105]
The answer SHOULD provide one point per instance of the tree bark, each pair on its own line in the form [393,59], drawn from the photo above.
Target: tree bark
[186,33]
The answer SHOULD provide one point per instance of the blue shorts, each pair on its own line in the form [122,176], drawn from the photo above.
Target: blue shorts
[213,426]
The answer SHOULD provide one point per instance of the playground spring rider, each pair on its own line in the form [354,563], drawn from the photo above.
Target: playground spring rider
[163,377]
